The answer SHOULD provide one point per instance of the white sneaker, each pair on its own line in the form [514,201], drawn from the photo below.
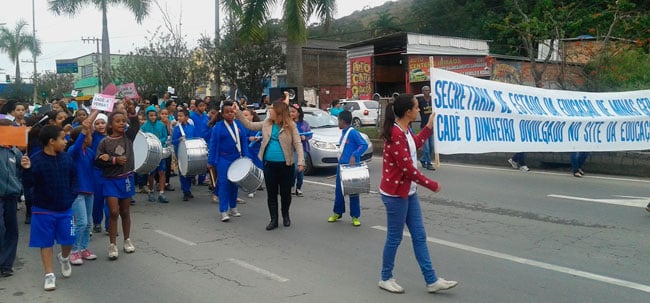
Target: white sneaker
[234,212]
[524,168]
[112,252]
[66,268]
[251,195]
[50,282]
[513,163]
[441,284]
[224,217]
[128,246]
[391,286]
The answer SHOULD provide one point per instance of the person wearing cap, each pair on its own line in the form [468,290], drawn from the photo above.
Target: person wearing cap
[352,146]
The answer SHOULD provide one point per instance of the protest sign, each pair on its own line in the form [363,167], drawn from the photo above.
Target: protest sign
[480,116]
[13,136]
[103,102]
[129,90]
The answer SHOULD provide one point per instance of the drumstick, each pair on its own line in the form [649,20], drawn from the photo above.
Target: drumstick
[212,177]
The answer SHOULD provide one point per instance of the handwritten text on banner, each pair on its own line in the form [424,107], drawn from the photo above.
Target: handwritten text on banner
[480,116]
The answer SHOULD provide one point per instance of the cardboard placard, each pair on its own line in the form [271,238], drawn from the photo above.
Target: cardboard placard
[103,102]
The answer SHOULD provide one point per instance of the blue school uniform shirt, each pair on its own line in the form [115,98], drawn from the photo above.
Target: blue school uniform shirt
[190,131]
[355,145]
[54,179]
[201,128]
[84,159]
[222,146]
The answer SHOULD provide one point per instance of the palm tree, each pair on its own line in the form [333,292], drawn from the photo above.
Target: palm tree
[384,24]
[255,13]
[139,8]
[15,42]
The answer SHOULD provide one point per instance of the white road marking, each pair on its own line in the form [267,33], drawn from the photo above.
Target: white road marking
[627,201]
[557,268]
[258,270]
[179,239]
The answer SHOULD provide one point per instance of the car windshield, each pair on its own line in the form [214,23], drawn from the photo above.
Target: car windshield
[320,119]
[371,104]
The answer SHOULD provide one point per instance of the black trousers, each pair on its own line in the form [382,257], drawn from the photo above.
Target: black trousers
[277,177]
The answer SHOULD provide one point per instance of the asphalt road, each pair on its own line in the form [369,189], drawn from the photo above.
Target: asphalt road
[505,235]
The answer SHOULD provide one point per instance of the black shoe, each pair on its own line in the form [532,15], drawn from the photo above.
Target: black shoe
[169,187]
[132,202]
[647,208]
[286,221]
[272,225]
[186,197]
[430,166]
[6,272]
[28,219]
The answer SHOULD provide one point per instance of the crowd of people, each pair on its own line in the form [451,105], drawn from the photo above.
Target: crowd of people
[78,171]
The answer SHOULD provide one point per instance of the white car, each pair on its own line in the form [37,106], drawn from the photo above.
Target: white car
[364,112]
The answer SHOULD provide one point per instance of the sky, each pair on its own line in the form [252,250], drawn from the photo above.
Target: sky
[61,36]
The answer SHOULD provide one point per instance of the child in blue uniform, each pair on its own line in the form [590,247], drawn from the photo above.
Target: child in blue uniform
[227,144]
[177,137]
[352,146]
[52,171]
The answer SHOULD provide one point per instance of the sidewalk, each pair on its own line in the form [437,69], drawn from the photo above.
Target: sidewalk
[628,163]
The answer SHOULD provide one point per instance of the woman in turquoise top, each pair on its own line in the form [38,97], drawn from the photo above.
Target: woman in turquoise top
[280,140]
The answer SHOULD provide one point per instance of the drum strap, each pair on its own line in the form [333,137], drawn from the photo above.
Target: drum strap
[342,143]
[235,135]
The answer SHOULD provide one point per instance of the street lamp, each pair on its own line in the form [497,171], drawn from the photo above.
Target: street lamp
[34,52]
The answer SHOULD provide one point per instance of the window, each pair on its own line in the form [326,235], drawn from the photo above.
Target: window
[87,71]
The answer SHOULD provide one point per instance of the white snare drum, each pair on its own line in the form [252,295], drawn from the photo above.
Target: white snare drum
[147,152]
[355,179]
[244,172]
[192,157]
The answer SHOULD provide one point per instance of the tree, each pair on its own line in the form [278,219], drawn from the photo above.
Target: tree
[139,8]
[246,64]
[296,13]
[166,61]
[54,84]
[15,42]
[384,24]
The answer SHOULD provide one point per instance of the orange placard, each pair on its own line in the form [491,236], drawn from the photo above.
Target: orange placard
[13,136]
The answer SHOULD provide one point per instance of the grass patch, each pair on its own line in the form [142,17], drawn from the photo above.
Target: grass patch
[371,131]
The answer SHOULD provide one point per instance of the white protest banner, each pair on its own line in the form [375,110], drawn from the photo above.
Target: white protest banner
[129,90]
[103,102]
[480,116]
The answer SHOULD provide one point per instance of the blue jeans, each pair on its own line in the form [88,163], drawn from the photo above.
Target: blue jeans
[339,199]
[400,211]
[186,182]
[578,159]
[83,211]
[8,231]
[427,149]
[298,177]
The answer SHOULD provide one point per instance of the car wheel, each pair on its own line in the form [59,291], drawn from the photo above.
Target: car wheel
[356,122]
[309,168]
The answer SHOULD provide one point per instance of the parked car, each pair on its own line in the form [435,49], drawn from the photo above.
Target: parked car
[325,140]
[364,112]
[324,143]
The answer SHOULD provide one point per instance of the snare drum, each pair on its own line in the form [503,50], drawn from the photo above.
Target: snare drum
[147,152]
[192,157]
[244,172]
[355,179]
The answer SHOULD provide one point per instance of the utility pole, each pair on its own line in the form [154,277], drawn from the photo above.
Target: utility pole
[97,41]
[35,76]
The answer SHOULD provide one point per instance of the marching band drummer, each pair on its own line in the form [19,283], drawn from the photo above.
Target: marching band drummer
[352,146]
[227,144]
[187,132]
[158,129]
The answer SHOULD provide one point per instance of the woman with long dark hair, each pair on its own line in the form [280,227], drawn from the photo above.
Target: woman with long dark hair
[398,188]
[280,140]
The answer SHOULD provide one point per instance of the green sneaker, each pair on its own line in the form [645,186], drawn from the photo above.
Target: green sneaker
[356,222]
[334,218]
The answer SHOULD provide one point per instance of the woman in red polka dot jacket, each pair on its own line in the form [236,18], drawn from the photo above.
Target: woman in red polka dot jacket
[398,188]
